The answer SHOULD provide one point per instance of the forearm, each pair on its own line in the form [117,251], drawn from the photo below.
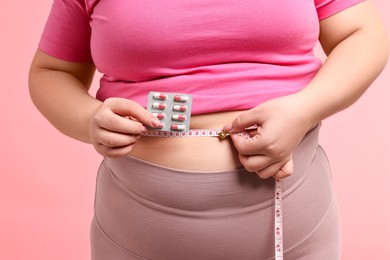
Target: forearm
[64,101]
[346,74]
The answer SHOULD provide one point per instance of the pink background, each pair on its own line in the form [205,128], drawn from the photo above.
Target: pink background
[47,179]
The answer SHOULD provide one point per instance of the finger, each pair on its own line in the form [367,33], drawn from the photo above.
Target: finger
[129,108]
[115,123]
[111,139]
[255,163]
[286,170]
[242,121]
[250,145]
[114,152]
[270,170]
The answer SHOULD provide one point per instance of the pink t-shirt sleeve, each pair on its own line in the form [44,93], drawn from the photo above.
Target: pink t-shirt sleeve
[67,32]
[326,8]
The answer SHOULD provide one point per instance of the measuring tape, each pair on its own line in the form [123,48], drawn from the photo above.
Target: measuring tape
[278,219]
[190,133]
[195,133]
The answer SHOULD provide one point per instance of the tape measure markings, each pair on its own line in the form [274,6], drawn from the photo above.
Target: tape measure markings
[278,221]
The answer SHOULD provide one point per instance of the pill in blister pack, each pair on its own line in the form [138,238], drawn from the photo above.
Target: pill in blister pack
[160,116]
[159,106]
[179,108]
[180,98]
[160,96]
[172,109]
[177,117]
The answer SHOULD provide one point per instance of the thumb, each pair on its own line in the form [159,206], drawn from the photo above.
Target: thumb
[285,171]
[242,121]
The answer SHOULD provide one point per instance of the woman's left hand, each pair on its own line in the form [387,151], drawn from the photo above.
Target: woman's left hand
[281,125]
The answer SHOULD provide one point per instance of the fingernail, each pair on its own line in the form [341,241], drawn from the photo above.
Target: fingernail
[227,128]
[144,129]
[155,122]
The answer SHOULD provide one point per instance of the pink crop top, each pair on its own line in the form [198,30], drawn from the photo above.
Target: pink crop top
[229,54]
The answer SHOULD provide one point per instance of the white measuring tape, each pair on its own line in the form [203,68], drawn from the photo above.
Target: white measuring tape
[190,133]
[278,219]
[195,133]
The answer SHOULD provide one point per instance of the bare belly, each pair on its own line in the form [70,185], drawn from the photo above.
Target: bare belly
[192,153]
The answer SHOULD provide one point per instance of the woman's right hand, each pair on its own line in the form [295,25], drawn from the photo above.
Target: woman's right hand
[116,126]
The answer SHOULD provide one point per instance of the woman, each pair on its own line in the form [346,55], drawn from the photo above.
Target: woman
[244,63]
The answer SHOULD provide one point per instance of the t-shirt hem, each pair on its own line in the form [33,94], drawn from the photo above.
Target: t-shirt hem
[66,55]
[329,10]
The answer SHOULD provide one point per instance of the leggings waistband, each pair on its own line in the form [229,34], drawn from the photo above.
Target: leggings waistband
[248,188]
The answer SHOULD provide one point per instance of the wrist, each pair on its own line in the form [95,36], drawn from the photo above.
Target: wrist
[304,111]
[318,103]
[89,121]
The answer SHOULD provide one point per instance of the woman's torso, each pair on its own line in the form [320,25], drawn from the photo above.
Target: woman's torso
[230,56]
[192,153]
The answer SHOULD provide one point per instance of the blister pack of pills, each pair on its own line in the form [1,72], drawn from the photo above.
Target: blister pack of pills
[172,109]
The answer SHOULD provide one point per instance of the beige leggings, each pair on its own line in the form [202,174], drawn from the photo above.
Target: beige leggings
[145,211]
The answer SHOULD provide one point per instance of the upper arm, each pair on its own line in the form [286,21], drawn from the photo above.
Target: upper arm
[65,42]
[360,18]
[82,71]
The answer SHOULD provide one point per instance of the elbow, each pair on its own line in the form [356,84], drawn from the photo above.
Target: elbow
[32,78]
[34,82]
[386,51]
[382,49]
